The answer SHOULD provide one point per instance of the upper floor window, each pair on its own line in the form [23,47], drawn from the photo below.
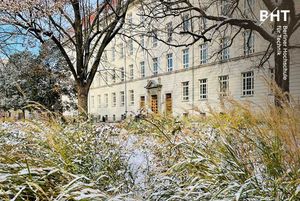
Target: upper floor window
[142,42]
[121,50]
[248,83]
[122,71]
[224,48]
[155,66]
[185,91]
[225,7]
[170,62]
[169,31]
[186,22]
[114,99]
[131,72]
[248,42]
[113,76]
[203,23]
[203,89]
[224,85]
[142,65]
[131,47]
[154,39]
[113,54]
[203,53]
[248,7]
[185,58]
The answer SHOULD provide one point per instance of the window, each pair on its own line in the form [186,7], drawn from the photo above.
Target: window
[203,22]
[169,31]
[248,83]
[203,89]
[105,77]
[170,62]
[154,39]
[203,53]
[225,7]
[92,101]
[121,50]
[248,7]
[113,54]
[224,48]
[186,22]
[185,91]
[155,66]
[131,97]
[248,42]
[106,100]
[129,20]
[99,101]
[142,102]
[122,74]
[113,99]
[131,47]
[122,98]
[113,76]
[185,58]
[131,72]
[142,64]
[224,85]
[142,42]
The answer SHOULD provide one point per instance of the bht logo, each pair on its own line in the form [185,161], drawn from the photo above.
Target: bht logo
[276,14]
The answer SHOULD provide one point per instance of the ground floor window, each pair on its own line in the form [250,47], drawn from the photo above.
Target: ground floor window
[248,83]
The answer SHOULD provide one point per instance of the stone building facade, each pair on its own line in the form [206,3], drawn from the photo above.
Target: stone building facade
[144,72]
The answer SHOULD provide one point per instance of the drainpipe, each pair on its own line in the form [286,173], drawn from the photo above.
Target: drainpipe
[125,79]
[193,70]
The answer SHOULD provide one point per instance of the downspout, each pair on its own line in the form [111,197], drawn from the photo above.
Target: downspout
[125,79]
[193,70]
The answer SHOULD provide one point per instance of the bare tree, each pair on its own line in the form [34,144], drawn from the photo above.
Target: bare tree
[81,29]
[219,15]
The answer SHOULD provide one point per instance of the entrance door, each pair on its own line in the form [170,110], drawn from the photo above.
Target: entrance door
[154,106]
[169,103]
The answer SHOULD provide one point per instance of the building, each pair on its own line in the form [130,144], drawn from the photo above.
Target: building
[146,73]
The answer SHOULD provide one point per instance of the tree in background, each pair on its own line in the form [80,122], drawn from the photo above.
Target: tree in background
[28,78]
[80,29]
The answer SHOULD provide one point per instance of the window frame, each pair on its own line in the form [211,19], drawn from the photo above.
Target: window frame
[203,89]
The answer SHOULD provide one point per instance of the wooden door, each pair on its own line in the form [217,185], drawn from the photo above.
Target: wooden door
[154,105]
[169,103]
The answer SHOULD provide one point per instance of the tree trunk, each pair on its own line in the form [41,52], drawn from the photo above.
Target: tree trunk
[82,96]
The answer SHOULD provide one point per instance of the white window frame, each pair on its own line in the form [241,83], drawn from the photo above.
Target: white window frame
[186,22]
[185,58]
[248,83]
[122,71]
[249,42]
[185,91]
[143,70]
[122,98]
[130,47]
[113,99]
[224,85]
[131,97]
[203,89]
[92,101]
[224,47]
[99,101]
[203,53]
[131,72]
[106,100]
[169,31]
[170,62]
[155,65]
[154,39]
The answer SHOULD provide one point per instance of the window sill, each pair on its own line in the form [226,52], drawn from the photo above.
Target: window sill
[185,100]
[203,99]
[246,96]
